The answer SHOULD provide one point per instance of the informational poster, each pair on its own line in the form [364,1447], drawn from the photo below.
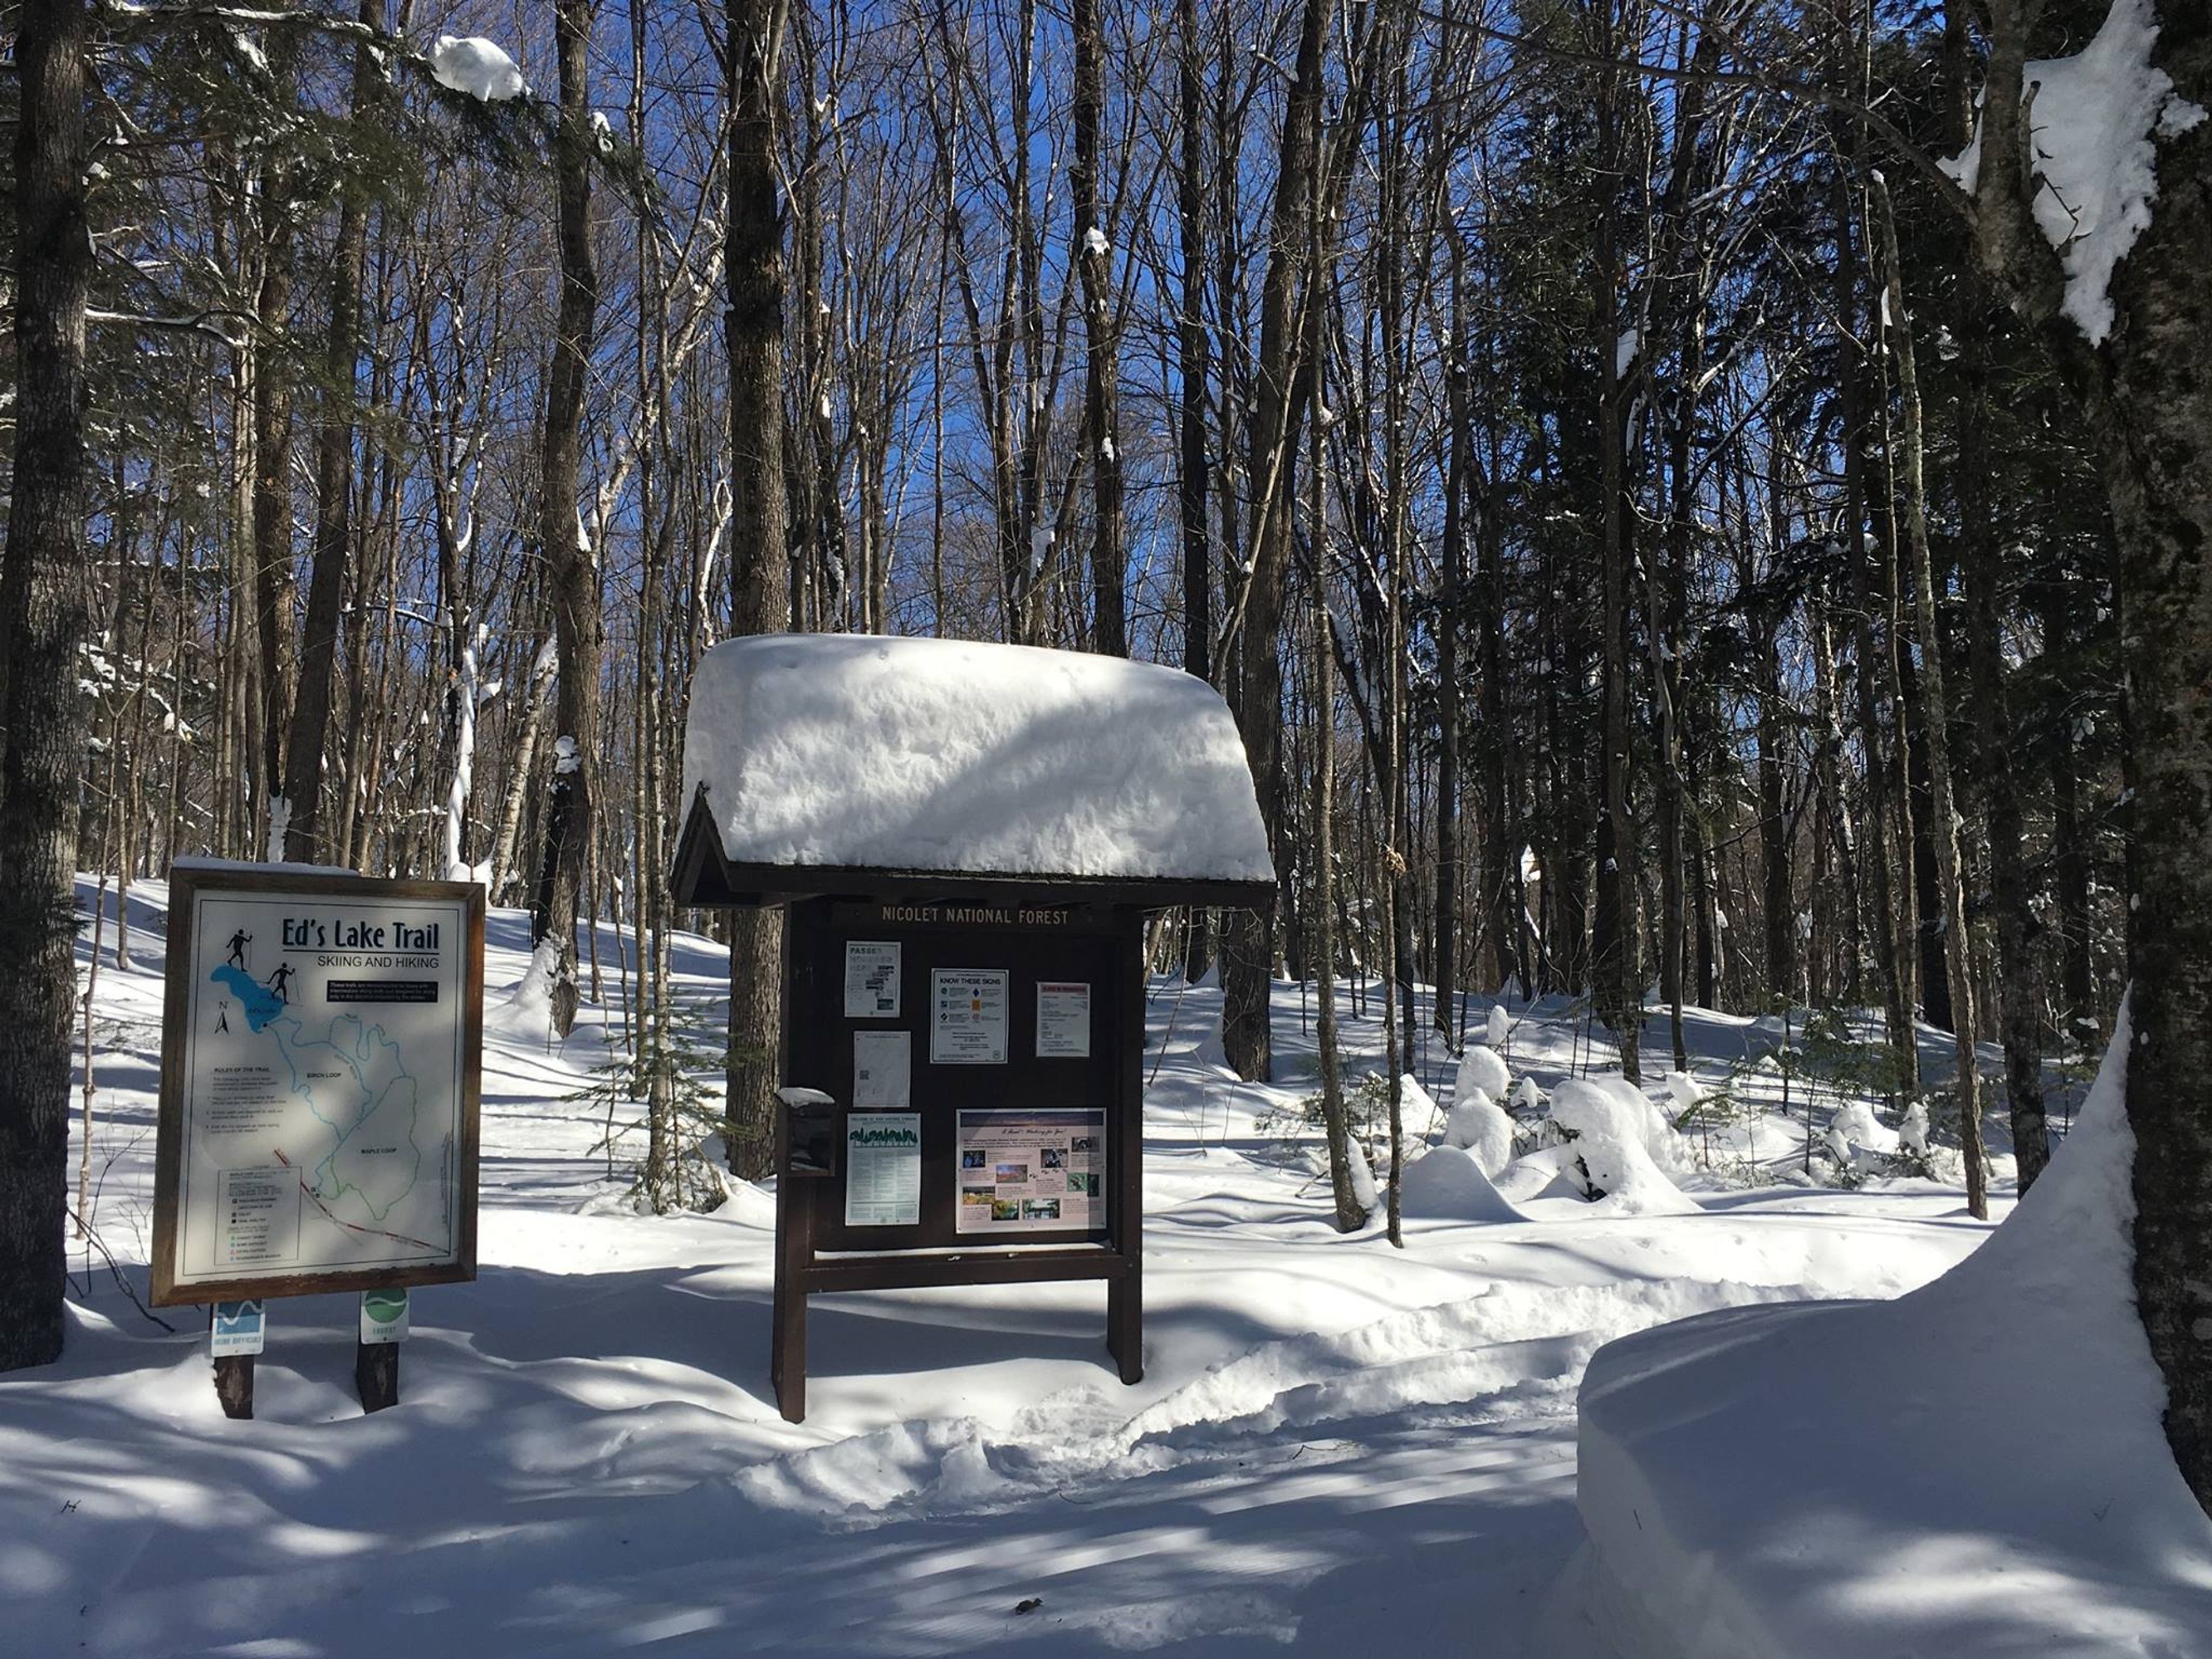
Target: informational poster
[872,979]
[1063,1023]
[883,1169]
[968,1017]
[322,1040]
[883,1069]
[1029,1172]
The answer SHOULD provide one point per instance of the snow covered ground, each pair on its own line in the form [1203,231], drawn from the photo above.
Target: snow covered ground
[1337,1446]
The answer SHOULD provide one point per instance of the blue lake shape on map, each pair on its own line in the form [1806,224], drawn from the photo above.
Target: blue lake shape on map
[261,1003]
[371,1162]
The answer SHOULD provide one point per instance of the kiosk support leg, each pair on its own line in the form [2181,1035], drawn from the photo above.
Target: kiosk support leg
[376,1375]
[1125,1324]
[794,1227]
[234,1384]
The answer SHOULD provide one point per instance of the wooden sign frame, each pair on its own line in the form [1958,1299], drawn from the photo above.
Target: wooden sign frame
[188,884]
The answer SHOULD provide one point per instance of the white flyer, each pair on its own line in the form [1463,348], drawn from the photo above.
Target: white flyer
[1063,1025]
[968,1017]
[883,1069]
[883,1169]
[872,979]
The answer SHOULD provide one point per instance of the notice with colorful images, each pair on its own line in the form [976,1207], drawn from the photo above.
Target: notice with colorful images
[1027,1172]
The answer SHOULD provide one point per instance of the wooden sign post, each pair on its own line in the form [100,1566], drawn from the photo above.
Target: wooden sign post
[321,1047]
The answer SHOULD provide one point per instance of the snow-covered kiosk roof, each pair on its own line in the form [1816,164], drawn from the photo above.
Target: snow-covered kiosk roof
[856,764]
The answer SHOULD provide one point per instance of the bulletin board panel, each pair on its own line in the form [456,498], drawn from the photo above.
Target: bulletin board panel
[1042,982]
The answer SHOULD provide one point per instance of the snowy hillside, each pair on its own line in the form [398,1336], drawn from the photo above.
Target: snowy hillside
[1332,1438]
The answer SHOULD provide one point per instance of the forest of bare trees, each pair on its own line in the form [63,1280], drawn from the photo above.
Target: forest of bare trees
[1664,541]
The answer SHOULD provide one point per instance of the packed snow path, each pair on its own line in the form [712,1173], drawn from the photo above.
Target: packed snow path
[1337,1445]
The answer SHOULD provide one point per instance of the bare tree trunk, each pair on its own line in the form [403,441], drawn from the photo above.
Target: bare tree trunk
[753,264]
[43,598]
[273,586]
[1619,993]
[2019,964]
[1944,830]
[1193,371]
[1092,252]
[1458,432]
[1348,1212]
[2147,399]
[318,648]
[571,571]
[1247,944]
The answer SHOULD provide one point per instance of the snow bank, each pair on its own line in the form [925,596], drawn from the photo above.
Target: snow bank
[1480,1068]
[851,749]
[1478,1125]
[2091,117]
[1975,1468]
[1449,1183]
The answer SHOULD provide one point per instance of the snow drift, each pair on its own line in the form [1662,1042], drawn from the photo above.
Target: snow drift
[1975,1468]
[1448,1183]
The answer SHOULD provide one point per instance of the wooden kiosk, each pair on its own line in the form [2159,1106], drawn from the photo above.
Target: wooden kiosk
[965,839]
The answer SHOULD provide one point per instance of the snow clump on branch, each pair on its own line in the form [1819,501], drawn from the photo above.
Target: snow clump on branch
[478,67]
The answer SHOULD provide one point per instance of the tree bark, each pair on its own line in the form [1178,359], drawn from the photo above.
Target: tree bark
[318,648]
[753,261]
[1092,252]
[1943,830]
[1194,372]
[42,600]
[572,573]
[1247,944]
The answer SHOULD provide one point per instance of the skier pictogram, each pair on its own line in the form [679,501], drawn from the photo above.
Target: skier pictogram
[280,983]
[239,941]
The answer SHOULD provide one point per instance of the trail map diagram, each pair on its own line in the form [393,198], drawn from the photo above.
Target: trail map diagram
[371,1160]
[320,1114]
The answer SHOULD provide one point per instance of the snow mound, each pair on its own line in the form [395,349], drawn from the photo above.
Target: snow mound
[1498,1027]
[1609,1107]
[1478,1125]
[1977,1468]
[1417,1107]
[2091,117]
[526,1013]
[1449,1183]
[1855,1125]
[476,66]
[1480,1068]
[923,754]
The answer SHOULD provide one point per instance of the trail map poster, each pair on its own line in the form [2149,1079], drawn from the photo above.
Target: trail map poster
[1029,1172]
[321,1046]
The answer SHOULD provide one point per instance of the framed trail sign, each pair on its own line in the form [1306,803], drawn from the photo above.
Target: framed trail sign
[322,1040]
